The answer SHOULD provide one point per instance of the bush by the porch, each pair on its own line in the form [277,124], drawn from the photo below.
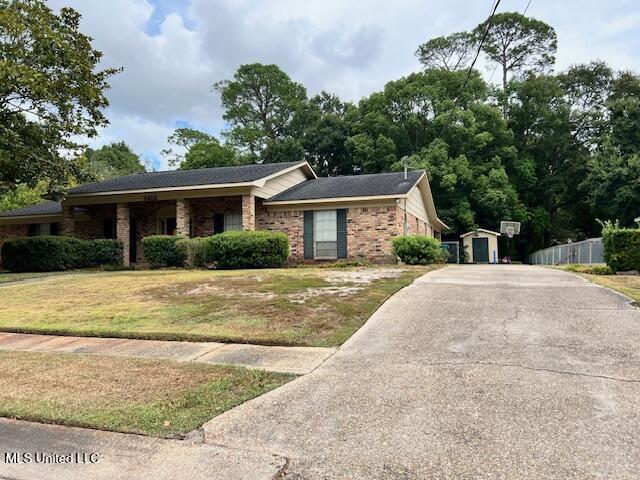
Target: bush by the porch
[418,249]
[621,248]
[193,251]
[163,251]
[246,249]
[53,253]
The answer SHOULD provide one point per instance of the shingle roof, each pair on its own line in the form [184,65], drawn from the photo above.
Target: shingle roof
[46,208]
[351,186]
[184,178]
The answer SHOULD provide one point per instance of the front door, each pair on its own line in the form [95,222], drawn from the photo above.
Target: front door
[133,241]
[480,250]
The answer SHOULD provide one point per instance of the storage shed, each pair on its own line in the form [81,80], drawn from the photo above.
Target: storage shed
[481,246]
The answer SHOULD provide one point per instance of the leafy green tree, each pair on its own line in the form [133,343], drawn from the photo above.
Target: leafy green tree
[261,103]
[518,44]
[624,111]
[51,92]
[199,150]
[453,52]
[113,160]
[22,196]
[328,123]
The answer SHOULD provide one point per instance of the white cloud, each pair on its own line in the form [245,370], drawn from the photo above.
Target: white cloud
[348,47]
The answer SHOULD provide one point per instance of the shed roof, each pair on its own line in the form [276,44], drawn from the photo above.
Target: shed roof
[483,230]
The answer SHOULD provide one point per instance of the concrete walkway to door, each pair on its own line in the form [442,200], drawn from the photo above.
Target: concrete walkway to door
[470,372]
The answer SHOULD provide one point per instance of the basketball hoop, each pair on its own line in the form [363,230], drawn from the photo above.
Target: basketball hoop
[510,228]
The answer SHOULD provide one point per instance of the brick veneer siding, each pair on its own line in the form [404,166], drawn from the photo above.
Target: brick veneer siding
[122,228]
[90,225]
[183,217]
[67,225]
[370,230]
[203,209]
[289,222]
[7,232]
[248,212]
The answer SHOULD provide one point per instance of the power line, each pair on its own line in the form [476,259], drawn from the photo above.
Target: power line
[475,59]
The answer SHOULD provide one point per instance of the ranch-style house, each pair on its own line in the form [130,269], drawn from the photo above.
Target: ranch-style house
[325,218]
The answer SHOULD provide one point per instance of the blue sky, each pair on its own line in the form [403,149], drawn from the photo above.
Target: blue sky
[173,51]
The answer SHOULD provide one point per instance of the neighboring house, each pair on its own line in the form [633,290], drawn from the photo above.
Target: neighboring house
[481,246]
[324,218]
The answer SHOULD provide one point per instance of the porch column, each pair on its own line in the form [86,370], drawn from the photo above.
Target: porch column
[67,226]
[248,212]
[122,230]
[182,217]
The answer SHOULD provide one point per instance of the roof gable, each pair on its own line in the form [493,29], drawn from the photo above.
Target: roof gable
[187,178]
[370,185]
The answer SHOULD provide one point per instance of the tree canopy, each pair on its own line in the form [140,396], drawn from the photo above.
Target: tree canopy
[51,92]
[109,161]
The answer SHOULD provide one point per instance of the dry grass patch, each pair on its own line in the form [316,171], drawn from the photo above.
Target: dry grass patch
[152,397]
[628,285]
[298,306]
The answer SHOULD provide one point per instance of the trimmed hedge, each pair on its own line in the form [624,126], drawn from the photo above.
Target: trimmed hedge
[622,248]
[53,253]
[418,249]
[162,251]
[193,251]
[246,249]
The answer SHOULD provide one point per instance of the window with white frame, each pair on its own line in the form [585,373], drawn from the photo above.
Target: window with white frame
[325,231]
[232,221]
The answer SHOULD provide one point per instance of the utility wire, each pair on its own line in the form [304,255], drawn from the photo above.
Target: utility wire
[475,59]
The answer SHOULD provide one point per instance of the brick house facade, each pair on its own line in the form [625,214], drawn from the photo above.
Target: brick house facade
[339,217]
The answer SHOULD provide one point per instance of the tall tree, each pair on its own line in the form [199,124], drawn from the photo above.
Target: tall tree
[261,103]
[51,92]
[113,160]
[452,52]
[197,149]
[518,44]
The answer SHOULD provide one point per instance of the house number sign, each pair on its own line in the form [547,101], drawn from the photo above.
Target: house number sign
[150,198]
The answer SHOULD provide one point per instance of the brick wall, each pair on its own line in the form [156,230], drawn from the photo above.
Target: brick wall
[290,222]
[370,230]
[203,209]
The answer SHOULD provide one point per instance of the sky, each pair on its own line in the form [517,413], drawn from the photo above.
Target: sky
[172,52]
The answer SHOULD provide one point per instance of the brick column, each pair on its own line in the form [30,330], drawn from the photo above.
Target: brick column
[67,226]
[248,212]
[122,229]
[182,217]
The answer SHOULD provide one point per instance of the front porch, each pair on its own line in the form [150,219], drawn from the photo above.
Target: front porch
[131,221]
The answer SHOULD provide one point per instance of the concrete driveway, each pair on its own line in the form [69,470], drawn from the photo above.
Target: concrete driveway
[471,372]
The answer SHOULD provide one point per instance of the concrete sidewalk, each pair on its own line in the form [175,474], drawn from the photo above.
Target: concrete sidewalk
[297,360]
[123,457]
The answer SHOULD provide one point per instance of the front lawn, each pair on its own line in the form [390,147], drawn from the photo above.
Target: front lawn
[151,397]
[295,306]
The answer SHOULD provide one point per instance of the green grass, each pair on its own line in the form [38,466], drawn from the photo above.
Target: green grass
[592,269]
[151,397]
[296,306]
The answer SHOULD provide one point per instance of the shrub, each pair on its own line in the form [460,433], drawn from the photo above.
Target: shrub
[52,253]
[621,248]
[590,269]
[105,252]
[246,249]
[418,249]
[193,251]
[162,251]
